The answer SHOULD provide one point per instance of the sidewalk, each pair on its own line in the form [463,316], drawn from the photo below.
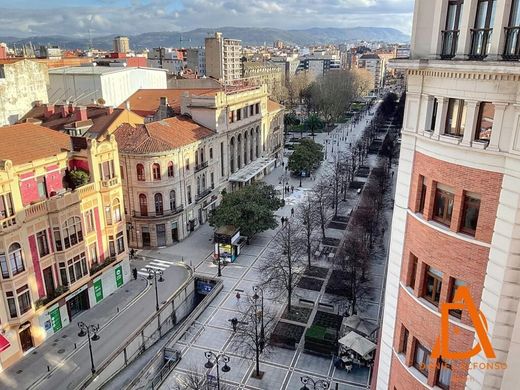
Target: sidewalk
[55,351]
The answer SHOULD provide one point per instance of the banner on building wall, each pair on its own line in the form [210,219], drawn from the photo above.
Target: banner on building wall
[55,316]
[119,276]
[98,290]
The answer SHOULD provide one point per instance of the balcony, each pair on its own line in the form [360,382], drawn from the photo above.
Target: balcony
[203,194]
[480,42]
[36,210]
[449,44]
[86,190]
[109,183]
[164,214]
[512,48]
[8,224]
[201,166]
[61,202]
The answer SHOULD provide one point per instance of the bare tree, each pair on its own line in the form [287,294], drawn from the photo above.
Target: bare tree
[308,217]
[281,270]
[321,197]
[253,333]
[336,177]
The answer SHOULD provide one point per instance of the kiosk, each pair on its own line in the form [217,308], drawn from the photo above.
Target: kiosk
[228,243]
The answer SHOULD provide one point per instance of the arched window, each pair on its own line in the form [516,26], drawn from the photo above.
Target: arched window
[116,206]
[198,185]
[143,205]
[140,172]
[203,182]
[232,155]
[239,151]
[156,171]
[258,142]
[173,202]
[158,204]
[170,169]
[16,259]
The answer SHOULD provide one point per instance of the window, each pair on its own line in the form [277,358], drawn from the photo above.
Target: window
[404,341]
[443,207]
[140,172]
[188,191]
[455,284]
[106,170]
[92,253]
[172,200]
[16,259]
[257,108]
[72,234]
[239,114]
[424,190]
[212,178]
[211,153]
[24,299]
[246,112]
[74,269]
[158,204]
[11,303]
[485,121]
[512,46]
[456,117]
[120,240]
[470,213]
[433,285]
[451,32]
[444,375]
[117,210]
[170,169]
[231,116]
[89,220]
[414,261]
[433,119]
[43,244]
[121,172]
[156,171]
[3,266]
[6,206]
[42,187]
[108,215]
[222,159]
[251,110]
[481,34]
[187,164]
[143,205]
[111,246]
[421,359]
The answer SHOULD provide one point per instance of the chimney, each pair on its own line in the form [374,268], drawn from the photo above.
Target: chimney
[109,110]
[163,101]
[37,103]
[64,110]
[127,105]
[80,113]
[48,110]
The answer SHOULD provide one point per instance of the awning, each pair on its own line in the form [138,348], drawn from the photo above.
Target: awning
[4,343]
[252,170]
[357,343]
[354,322]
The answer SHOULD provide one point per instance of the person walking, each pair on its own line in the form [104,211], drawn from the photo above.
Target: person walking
[292,211]
[234,323]
[292,189]
[134,273]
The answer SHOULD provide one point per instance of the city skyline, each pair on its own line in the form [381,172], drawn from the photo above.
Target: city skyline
[102,17]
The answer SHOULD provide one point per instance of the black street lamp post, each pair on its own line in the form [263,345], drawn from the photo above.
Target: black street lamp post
[85,330]
[315,384]
[262,328]
[152,274]
[214,359]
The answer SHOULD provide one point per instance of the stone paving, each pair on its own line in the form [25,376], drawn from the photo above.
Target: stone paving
[283,367]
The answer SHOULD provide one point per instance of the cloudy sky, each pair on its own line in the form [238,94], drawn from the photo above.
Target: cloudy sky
[24,18]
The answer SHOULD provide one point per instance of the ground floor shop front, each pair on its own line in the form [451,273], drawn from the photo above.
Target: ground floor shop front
[38,325]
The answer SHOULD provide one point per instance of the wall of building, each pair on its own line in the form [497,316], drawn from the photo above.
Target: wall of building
[23,83]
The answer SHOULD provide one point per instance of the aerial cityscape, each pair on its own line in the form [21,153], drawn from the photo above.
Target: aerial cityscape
[260,196]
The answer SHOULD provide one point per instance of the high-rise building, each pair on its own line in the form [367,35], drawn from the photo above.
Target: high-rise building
[456,218]
[373,64]
[223,58]
[121,44]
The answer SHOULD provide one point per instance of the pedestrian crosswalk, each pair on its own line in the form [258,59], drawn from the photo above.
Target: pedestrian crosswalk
[156,264]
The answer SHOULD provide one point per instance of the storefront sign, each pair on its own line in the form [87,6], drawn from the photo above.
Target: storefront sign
[119,276]
[98,290]
[56,319]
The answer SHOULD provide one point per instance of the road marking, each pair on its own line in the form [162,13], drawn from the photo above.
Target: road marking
[143,273]
[163,261]
[154,267]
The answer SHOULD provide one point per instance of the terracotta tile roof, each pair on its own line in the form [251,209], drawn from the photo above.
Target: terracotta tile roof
[100,117]
[273,106]
[146,101]
[26,142]
[160,136]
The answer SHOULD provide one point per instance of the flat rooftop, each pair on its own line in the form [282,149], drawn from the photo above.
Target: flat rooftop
[96,70]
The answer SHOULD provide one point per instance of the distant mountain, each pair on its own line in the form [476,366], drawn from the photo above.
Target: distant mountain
[248,35]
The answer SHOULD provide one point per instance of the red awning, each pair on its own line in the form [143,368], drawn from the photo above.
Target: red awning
[4,343]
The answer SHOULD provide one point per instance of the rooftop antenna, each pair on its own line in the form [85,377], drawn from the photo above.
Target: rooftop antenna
[91,18]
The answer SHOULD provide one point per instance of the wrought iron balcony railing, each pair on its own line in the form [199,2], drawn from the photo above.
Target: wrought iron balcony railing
[449,44]
[480,41]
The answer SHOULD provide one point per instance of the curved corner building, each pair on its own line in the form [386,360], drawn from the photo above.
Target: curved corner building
[457,203]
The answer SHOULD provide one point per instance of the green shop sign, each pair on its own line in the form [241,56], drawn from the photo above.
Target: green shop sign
[119,276]
[98,290]
[55,319]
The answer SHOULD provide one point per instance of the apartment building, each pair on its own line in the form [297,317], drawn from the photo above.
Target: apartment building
[22,84]
[223,58]
[258,73]
[62,240]
[121,44]
[372,63]
[317,64]
[457,204]
[199,142]
[196,60]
